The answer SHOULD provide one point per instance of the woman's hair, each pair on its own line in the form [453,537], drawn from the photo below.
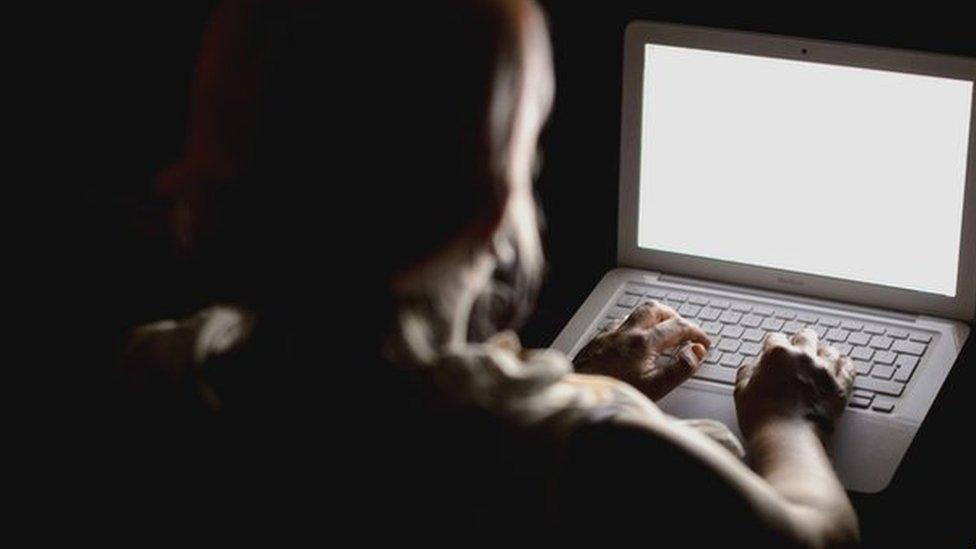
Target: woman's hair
[312,153]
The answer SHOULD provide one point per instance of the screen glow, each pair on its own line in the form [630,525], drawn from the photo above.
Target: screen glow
[837,171]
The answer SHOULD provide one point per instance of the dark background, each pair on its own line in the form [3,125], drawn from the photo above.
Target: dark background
[138,80]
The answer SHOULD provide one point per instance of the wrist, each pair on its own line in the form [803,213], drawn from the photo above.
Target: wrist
[775,429]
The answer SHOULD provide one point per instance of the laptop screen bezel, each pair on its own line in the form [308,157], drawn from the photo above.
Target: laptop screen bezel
[638,34]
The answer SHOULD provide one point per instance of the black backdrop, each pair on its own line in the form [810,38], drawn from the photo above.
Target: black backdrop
[146,62]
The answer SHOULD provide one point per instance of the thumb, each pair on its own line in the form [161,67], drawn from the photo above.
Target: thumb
[691,355]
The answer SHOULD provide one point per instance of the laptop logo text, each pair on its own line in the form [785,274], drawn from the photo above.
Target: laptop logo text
[789,281]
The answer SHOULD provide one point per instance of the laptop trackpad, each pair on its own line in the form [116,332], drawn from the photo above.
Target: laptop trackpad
[865,449]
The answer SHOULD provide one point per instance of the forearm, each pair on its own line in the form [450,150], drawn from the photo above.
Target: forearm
[791,458]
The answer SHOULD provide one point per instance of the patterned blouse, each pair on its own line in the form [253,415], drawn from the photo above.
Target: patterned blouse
[486,439]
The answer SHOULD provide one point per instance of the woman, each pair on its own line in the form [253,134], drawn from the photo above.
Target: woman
[455,432]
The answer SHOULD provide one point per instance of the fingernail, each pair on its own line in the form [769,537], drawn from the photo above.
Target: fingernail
[699,350]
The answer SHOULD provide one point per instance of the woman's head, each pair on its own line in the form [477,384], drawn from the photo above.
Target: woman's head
[477,90]
[404,153]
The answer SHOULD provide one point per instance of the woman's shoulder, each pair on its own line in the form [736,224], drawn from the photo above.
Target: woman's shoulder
[179,354]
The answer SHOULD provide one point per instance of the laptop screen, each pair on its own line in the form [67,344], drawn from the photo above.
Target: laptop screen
[844,172]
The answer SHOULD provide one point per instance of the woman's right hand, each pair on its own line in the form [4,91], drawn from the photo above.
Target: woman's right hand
[794,380]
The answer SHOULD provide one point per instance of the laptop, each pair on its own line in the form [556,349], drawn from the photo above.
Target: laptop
[770,183]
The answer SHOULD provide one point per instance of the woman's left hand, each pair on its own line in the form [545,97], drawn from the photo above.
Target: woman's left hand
[631,351]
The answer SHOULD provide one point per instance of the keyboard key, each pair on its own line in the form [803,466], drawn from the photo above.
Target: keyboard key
[861,353]
[753,334]
[852,325]
[906,367]
[837,334]
[751,321]
[731,360]
[901,346]
[711,328]
[921,338]
[750,349]
[792,327]
[772,324]
[730,317]
[712,372]
[878,385]
[806,318]
[709,313]
[884,357]
[884,405]
[897,333]
[729,345]
[882,372]
[732,331]
[880,342]
[654,293]
[628,301]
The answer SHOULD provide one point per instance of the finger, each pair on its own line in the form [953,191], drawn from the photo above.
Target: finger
[775,339]
[675,331]
[649,314]
[743,374]
[845,372]
[661,380]
[807,340]
[829,354]
[608,328]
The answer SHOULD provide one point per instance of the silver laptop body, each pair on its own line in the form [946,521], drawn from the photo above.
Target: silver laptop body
[769,183]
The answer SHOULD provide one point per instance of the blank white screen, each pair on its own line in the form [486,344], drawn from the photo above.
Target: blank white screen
[837,171]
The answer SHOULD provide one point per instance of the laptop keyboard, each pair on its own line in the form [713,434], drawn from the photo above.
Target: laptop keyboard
[885,357]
